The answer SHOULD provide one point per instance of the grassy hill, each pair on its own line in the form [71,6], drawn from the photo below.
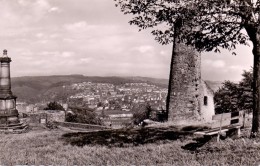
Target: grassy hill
[33,89]
[46,147]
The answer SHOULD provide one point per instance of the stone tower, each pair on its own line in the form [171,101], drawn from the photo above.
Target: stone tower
[8,113]
[186,96]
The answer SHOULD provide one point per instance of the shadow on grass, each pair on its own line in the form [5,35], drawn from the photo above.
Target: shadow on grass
[199,142]
[126,137]
[193,146]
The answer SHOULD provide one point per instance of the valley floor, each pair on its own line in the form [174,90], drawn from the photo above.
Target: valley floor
[46,147]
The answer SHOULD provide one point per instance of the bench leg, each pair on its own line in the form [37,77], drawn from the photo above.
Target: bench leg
[218,137]
[238,132]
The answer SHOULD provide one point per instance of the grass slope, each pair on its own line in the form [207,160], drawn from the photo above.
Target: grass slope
[125,137]
[47,148]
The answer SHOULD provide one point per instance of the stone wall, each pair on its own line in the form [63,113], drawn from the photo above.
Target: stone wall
[36,117]
[46,116]
[185,84]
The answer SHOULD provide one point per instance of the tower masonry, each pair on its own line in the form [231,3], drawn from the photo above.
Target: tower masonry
[190,102]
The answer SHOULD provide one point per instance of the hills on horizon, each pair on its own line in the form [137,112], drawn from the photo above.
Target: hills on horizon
[33,89]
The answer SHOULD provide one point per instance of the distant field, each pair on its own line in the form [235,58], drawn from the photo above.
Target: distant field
[47,148]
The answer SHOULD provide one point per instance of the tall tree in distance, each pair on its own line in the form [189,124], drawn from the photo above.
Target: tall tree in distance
[208,26]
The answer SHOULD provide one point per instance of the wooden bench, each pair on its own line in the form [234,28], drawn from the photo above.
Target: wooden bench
[223,123]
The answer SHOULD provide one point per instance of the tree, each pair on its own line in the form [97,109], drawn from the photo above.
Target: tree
[246,92]
[235,96]
[82,115]
[226,98]
[54,106]
[140,113]
[207,25]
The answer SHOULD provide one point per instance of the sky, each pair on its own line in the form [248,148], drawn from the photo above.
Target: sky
[94,38]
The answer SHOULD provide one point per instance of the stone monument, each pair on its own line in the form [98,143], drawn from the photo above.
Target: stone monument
[9,120]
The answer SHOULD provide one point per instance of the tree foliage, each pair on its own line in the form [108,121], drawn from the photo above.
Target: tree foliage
[226,98]
[246,95]
[218,23]
[233,97]
[54,106]
[140,113]
[82,115]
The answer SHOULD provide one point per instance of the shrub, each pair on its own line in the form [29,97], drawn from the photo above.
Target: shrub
[82,115]
[54,106]
[140,113]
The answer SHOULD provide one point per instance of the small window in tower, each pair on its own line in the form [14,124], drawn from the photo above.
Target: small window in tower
[205,100]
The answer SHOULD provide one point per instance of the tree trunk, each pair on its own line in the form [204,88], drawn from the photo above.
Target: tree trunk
[256,82]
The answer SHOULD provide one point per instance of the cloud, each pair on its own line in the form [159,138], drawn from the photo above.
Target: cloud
[39,35]
[67,54]
[64,54]
[215,63]
[53,37]
[85,60]
[23,2]
[236,67]
[75,26]
[78,26]
[55,9]
[21,17]
[218,64]
[41,4]
[145,48]
[162,52]
[89,37]
[34,10]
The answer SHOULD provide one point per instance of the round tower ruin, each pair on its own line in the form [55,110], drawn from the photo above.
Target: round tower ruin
[185,86]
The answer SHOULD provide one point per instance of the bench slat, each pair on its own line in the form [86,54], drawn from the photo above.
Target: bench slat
[217,130]
[231,115]
[226,122]
[200,133]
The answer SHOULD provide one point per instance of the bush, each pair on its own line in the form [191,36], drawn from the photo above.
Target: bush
[140,113]
[54,106]
[82,115]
